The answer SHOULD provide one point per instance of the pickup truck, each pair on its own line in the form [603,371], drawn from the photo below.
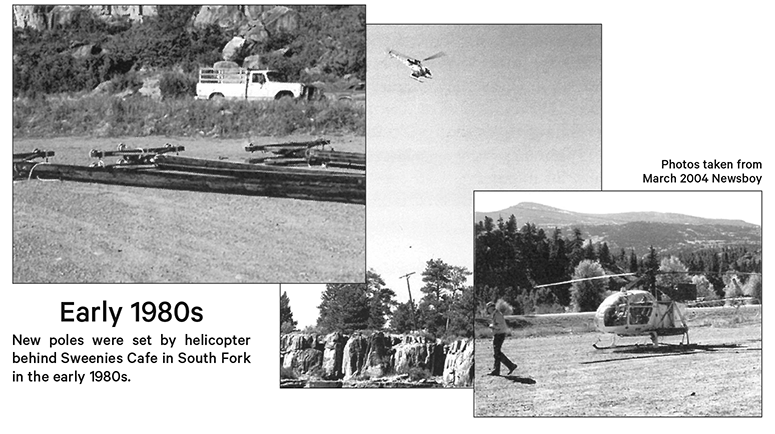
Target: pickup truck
[251,84]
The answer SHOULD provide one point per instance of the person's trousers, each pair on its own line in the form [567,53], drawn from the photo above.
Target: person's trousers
[497,344]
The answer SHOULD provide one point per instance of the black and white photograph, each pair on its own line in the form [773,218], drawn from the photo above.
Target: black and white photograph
[372,336]
[560,228]
[189,143]
[618,303]
[458,107]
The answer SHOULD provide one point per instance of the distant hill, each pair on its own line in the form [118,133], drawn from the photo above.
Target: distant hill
[636,230]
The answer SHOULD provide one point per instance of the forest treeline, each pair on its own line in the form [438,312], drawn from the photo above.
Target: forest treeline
[445,307]
[510,261]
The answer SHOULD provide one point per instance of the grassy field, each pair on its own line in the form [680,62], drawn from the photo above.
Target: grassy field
[560,374]
[80,232]
[101,116]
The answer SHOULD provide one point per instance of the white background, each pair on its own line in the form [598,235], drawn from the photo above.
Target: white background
[688,80]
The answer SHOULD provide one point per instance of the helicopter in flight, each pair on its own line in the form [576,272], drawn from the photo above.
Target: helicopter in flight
[418,70]
[634,311]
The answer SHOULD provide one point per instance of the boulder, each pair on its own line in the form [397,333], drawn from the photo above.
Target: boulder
[104,88]
[254,32]
[332,355]
[297,341]
[86,51]
[233,49]
[29,16]
[303,361]
[116,13]
[378,357]
[228,17]
[459,364]
[409,356]
[354,355]
[280,19]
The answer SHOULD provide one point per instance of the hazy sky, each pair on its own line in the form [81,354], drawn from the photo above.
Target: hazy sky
[735,205]
[508,107]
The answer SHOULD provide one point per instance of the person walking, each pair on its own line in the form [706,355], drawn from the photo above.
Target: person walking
[499,330]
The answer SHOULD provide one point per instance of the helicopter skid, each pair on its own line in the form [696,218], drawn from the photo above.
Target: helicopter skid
[603,347]
[652,341]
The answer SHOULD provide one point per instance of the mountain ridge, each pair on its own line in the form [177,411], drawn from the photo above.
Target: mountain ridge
[667,232]
[546,216]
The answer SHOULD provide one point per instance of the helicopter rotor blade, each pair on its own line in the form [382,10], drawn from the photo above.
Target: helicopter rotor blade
[435,56]
[585,279]
[398,55]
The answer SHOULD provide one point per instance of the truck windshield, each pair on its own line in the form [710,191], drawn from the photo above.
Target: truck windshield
[276,76]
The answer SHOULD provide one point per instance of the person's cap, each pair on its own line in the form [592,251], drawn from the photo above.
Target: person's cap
[490,304]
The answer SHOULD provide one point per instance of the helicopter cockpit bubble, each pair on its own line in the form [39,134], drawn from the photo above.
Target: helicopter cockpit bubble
[617,307]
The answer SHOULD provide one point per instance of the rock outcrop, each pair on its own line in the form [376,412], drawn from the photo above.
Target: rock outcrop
[372,356]
[459,364]
[354,355]
[333,354]
[41,17]
[419,352]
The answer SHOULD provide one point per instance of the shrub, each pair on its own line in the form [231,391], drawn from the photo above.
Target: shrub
[287,327]
[753,288]
[126,81]
[177,85]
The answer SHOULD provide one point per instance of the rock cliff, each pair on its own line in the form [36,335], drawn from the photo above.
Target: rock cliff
[376,356]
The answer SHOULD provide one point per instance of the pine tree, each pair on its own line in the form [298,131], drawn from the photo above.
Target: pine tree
[604,255]
[633,262]
[401,320]
[287,324]
[444,287]
[381,300]
[344,307]
[355,306]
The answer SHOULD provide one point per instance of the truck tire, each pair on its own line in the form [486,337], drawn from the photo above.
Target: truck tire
[283,95]
[216,95]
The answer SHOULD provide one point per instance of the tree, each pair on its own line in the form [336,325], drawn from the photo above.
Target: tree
[381,300]
[355,306]
[633,262]
[344,308]
[675,272]
[604,254]
[287,324]
[704,287]
[753,288]
[461,314]
[587,295]
[650,267]
[575,248]
[401,321]
[444,286]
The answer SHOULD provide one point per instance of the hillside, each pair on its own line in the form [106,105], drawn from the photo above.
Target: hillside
[547,216]
[76,48]
[667,232]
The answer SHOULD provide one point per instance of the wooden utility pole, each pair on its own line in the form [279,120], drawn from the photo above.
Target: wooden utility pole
[411,302]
